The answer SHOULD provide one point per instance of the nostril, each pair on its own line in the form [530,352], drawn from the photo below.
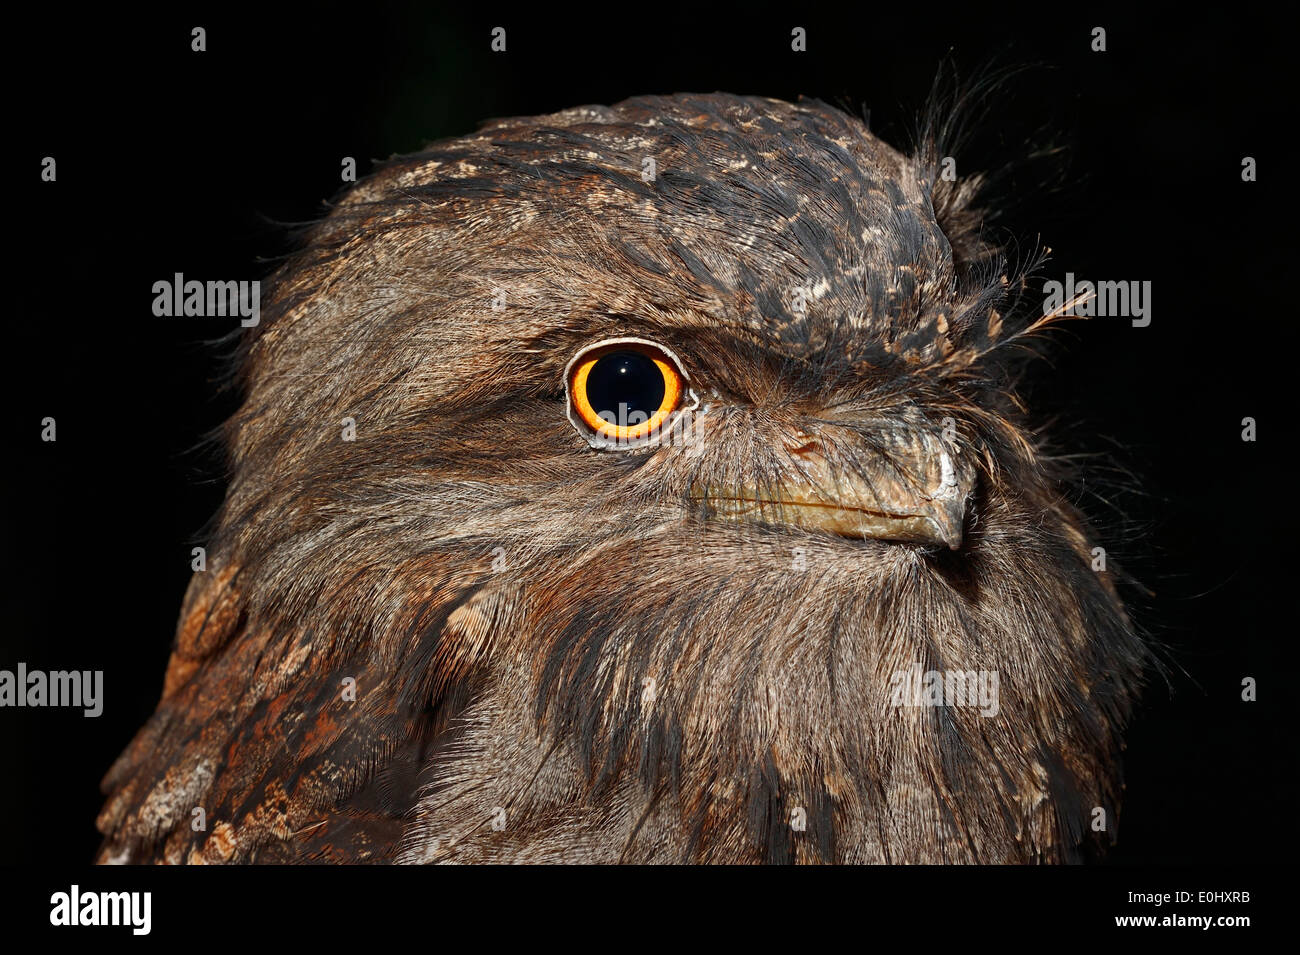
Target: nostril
[809,446]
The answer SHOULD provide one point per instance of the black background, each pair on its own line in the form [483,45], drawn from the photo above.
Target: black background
[175,161]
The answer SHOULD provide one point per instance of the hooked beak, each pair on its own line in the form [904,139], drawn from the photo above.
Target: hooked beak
[917,493]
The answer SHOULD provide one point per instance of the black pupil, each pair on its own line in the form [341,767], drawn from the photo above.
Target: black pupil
[625,378]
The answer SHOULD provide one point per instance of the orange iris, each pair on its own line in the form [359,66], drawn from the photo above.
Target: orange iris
[626,426]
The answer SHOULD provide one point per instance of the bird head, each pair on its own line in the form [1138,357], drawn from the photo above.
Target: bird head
[679,430]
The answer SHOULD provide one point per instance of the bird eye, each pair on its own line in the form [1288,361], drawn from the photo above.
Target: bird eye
[624,391]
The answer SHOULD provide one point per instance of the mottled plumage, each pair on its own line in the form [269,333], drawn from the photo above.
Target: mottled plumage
[565,653]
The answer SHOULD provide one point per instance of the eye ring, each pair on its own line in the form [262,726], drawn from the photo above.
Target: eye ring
[649,374]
